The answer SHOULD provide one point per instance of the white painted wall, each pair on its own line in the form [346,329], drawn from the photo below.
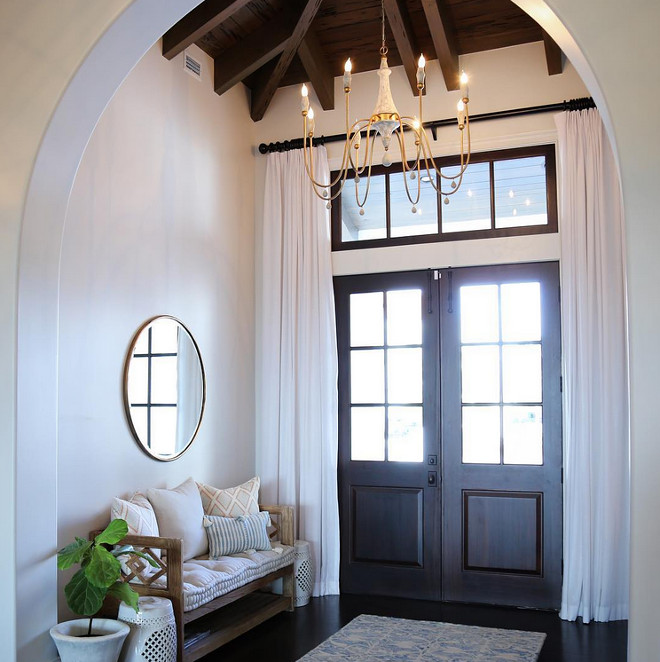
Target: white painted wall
[507,78]
[160,220]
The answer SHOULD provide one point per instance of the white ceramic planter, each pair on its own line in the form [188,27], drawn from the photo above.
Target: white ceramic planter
[73,647]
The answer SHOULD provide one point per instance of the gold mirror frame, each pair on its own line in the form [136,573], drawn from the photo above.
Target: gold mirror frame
[129,406]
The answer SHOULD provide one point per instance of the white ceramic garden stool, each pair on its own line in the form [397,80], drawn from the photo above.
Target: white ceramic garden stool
[303,573]
[153,631]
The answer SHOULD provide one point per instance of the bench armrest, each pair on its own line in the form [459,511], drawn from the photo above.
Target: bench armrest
[283,522]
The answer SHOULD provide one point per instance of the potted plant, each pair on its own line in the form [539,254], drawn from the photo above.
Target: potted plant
[95,639]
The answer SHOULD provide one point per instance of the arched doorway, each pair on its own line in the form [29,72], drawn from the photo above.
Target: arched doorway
[91,87]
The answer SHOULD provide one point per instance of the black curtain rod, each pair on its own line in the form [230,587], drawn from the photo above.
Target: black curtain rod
[573,104]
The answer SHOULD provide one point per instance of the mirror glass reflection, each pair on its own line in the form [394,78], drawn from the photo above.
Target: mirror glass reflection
[164,387]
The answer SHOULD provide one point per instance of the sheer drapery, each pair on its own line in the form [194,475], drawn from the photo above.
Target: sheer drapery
[297,449]
[596,421]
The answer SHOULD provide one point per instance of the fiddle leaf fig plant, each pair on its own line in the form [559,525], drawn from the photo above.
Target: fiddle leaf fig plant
[100,570]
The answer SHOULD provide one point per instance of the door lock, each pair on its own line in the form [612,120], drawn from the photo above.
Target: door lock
[433,479]
[433,459]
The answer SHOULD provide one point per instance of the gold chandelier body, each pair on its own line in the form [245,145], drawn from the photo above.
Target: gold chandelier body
[386,122]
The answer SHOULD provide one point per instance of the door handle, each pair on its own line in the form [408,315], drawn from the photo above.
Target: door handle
[433,479]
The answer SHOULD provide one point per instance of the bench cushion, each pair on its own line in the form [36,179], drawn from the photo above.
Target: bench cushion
[205,579]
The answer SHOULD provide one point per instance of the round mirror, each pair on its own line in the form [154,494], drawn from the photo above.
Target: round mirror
[164,387]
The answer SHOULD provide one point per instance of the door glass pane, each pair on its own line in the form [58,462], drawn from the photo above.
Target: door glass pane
[164,379]
[480,373]
[479,314]
[368,433]
[366,319]
[520,192]
[404,375]
[367,376]
[521,373]
[469,207]
[404,317]
[481,435]
[372,225]
[404,222]
[521,312]
[405,442]
[523,435]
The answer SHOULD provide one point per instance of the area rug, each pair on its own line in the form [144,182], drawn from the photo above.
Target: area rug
[382,639]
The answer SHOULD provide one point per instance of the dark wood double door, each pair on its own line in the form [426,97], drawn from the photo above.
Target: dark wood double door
[450,434]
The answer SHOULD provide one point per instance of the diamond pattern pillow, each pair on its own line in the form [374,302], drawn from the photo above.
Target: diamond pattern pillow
[233,501]
[139,515]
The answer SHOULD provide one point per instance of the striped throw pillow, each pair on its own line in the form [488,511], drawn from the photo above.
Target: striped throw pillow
[231,535]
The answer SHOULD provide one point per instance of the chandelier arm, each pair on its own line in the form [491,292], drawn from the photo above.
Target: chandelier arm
[438,188]
[410,123]
[308,158]
[404,162]
[368,152]
[366,193]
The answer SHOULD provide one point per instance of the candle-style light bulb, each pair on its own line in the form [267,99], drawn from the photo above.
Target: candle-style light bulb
[310,118]
[464,86]
[460,113]
[348,67]
[304,101]
[421,63]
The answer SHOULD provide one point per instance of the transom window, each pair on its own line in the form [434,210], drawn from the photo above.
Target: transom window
[504,193]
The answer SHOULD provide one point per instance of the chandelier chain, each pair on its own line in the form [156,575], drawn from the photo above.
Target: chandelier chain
[383,47]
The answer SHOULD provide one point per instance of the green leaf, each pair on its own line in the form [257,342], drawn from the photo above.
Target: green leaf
[82,597]
[114,532]
[103,569]
[125,593]
[73,553]
[123,549]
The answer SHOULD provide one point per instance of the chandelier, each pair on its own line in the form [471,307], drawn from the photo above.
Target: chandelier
[386,122]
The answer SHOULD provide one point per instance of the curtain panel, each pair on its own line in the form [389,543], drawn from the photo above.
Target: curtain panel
[297,446]
[595,367]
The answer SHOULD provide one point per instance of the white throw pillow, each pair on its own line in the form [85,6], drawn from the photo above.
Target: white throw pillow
[179,513]
[139,516]
[232,501]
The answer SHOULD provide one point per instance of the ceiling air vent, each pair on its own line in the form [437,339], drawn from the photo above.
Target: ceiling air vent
[192,66]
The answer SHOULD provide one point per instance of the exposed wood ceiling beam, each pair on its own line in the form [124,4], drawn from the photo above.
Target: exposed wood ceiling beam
[197,23]
[262,94]
[316,66]
[443,41]
[251,53]
[401,26]
[553,55]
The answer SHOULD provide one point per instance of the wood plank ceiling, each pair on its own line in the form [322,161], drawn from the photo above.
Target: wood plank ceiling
[272,43]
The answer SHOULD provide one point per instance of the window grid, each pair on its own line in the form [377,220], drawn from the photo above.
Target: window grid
[386,404]
[500,344]
[548,151]
[150,356]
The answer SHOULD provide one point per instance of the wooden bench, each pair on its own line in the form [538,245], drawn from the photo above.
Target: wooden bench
[214,623]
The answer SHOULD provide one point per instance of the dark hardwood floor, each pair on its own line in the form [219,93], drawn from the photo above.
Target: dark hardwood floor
[288,636]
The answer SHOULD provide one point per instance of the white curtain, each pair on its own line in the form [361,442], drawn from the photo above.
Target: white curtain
[596,423]
[297,450]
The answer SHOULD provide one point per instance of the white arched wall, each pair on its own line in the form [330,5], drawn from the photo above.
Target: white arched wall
[620,48]
[100,73]
[615,48]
